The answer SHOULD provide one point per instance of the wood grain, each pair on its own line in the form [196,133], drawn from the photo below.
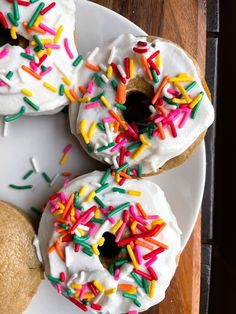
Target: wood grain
[184,22]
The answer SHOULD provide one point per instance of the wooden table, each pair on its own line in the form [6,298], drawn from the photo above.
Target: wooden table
[184,22]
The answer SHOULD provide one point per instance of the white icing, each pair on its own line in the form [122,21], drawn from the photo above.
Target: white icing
[11,97]
[174,61]
[83,268]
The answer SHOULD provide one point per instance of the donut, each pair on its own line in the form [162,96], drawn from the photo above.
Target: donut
[20,269]
[38,56]
[144,104]
[109,249]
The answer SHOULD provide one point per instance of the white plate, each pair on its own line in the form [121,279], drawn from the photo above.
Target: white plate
[45,137]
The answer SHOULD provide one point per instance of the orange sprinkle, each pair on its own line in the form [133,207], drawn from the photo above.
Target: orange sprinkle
[121,93]
[162,133]
[33,28]
[113,173]
[145,64]
[82,89]
[116,127]
[162,227]
[143,244]
[68,205]
[159,90]
[161,109]
[28,70]
[73,94]
[66,174]
[125,287]
[60,230]
[124,175]
[141,210]
[51,249]
[62,221]
[151,240]
[132,245]
[117,118]
[92,67]
[59,251]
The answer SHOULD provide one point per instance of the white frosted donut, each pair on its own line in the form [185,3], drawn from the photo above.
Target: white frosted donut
[32,82]
[142,240]
[166,123]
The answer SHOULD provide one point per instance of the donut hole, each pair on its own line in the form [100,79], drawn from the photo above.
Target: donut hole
[138,99]
[6,38]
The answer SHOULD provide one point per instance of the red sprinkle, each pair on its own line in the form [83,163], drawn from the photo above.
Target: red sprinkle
[122,156]
[20,2]
[62,277]
[125,216]
[92,288]
[41,60]
[122,181]
[173,129]
[77,248]
[143,274]
[152,273]
[3,21]
[153,253]
[117,73]
[48,8]
[154,55]
[127,69]
[142,43]
[95,306]
[82,306]
[154,66]
[140,50]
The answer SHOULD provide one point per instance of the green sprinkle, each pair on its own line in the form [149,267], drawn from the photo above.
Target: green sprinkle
[118,209]
[36,211]
[77,60]
[64,226]
[99,202]
[36,14]
[83,238]
[105,176]
[31,104]
[90,148]
[168,100]
[128,171]
[103,187]
[137,279]
[61,90]
[97,220]
[125,165]
[136,302]
[196,108]
[148,125]
[82,243]
[20,187]
[122,107]
[146,285]
[36,49]
[76,200]
[150,131]
[124,249]
[96,98]
[140,171]
[9,75]
[38,41]
[99,81]
[130,296]
[122,191]
[12,19]
[16,10]
[33,1]
[134,146]
[43,68]
[188,88]
[121,262]
[101,126]
[111,269]
[114,84]
[46,177]
[88,252]
[155,76]
[102,148]
[53,279]
[86,302]
[28,174]
[69,292]
[26,56]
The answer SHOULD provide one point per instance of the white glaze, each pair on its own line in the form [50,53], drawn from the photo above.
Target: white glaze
[174,61]
[11,98]
[83,268]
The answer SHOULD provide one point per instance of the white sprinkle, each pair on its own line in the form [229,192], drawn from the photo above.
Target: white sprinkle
[103,141]
[101,230]
[112,55]
[121,70]
[93,54]
[103,67]
[5,128]
[115,163]
[140,292]
[104,78]
[72,278]
[108,132]
[82,227]
[108,160]
[96,184]
[61,68]
[152,109]
[77,233]
[171,107]
[68,259]
[54,179]
[36,245]
[80,279]
[36,59]
[6,81]
[34,164]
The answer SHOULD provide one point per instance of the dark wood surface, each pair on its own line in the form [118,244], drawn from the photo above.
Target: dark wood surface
[184,22]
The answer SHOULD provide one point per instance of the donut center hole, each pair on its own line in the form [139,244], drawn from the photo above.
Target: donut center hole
[109,249]
[6,38]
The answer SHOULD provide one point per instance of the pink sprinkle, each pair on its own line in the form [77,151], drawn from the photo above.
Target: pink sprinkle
[117,146]
[107,120]
[117,274]
[82,292]
[173,129]
[66,182]
[2,84]
[138,254]
[92,105]
[135,172]
[90,87]
[185,118]
[47,29]
[52,46]
[66,44]
[56,224]
[133,312]
[67,149]
[120,232]
[28,50]
[63,197]
[173,92]
[134,134]
[49,69]
[153,217]
[93,230]
[111,219]
[77,213]
[33,66]
[59,288]
[136,217]
[151,261]
[4,53]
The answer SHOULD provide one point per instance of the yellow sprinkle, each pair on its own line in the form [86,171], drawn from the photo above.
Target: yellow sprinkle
[81,232]
[132,290]
[27,92]
[181,79]
[152,288]
[139,151]
[105,101]
[134,193]
[183,91]
[76,286]
[117,177]
[85,137]
[157,221]
[97,213]
[13,32]
[68,95]
[84,99]
[58,212]
[95,249]
[66,80]
[61,206]
[117,226]
[73,220]
[82,191]
[92,129]
[158,60]
[58,34]
[144,141]
[109,71]
[184,74]
[88,295]
[50,87]
[40,53]
[64,159]
[83,131]
[134,225]
[179,101]
[195,101]
[49,51]
[99,286]
[101,241]
[77,294]
[131,68]
[110,291]
[91,196]
[72,212]
[38,20]
[43,41]
[132,256]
